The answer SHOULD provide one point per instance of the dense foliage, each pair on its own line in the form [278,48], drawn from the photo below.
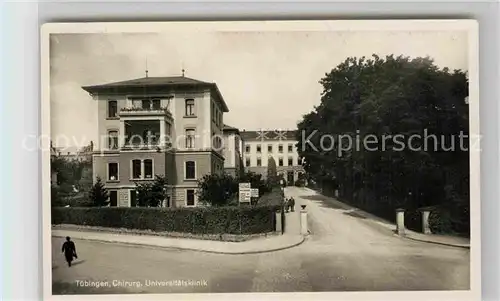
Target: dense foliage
[392,98]
[151,193]
[222,189]
[200,220]
[74,182]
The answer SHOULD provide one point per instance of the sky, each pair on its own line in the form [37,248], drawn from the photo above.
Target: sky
[268,79]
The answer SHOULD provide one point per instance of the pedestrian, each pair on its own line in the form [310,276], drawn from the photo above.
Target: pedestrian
[69,250]
[292,204]
[286,205]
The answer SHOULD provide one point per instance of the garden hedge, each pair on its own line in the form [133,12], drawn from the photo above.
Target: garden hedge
[200,220]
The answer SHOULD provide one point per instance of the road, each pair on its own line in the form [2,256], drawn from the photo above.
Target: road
[343,253]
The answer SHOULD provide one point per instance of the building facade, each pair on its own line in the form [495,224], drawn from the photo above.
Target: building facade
[157,126]
[259,146]
[233,144]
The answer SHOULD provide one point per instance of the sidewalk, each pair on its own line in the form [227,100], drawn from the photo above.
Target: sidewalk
[446,240]
[258,245]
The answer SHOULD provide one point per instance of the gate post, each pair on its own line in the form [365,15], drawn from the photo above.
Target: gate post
[400,221]
[303,221]
[279,222]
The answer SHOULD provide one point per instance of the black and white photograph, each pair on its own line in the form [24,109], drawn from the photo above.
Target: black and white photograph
[335,157]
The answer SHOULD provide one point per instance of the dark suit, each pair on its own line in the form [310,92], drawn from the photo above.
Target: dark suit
[69,250]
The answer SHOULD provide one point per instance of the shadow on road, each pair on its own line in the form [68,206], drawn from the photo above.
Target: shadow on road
[324,202]
[78,262]
[354,214]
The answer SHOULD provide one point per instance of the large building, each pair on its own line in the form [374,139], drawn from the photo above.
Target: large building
[157,126]
[259,146]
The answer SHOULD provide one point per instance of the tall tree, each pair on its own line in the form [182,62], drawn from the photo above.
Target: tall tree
[387,101]
[98,194]
[272,175]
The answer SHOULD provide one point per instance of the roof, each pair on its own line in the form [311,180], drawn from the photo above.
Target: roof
[150,81]
[228,128]
[268,135]
[172,81]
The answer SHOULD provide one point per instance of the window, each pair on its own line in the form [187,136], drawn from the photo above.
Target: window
[136,169]
[133,198]
[247,148]
[190,138]
[290,161]
[290,148]
[190,170]
[269,148]
[148,169]
[112,108]
[280,162]
[259,162]
[151,104]
[247,162]
[113,171]
[280,148]
[213,112]
[190,197]
[259,148]
[113,139]
[155,104]
[113,198]
[189,107]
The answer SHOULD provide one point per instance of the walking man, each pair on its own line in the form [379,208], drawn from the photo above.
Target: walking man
[69,250]
[292,204]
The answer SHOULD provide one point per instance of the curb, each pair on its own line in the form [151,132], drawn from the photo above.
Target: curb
[191,249]
[437,243]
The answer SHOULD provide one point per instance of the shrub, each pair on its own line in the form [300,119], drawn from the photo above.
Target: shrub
[217,189]
[152,193]
[274,198]
[207,220]
[440,222]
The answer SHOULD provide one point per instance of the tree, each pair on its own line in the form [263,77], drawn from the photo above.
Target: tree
[272,175]
[390,97]
[255,181]
[152,194]
[217,189]
[99,194]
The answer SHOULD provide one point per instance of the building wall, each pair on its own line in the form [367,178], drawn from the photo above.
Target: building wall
[171,164]
[253,155]
[264,155]
[201,121]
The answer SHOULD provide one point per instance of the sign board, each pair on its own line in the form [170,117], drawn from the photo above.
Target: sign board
[255,192]
[245,193]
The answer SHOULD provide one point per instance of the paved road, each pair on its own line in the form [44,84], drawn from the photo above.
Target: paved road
[343,253]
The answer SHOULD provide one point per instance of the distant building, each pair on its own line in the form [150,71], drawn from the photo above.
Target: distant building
[233,163]
[259,146]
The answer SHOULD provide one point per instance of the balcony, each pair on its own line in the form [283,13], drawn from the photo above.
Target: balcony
[141,112]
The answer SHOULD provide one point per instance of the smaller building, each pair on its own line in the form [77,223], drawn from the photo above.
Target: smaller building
[261,145]
[233,163]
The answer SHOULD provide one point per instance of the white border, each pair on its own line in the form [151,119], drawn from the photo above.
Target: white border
[471,26]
